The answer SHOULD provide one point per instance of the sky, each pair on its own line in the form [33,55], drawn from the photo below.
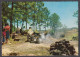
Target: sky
[65,10]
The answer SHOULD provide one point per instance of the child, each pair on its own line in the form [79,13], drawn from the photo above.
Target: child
[4,36]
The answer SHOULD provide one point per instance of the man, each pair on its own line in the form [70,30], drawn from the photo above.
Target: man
[29,35]
[30,32]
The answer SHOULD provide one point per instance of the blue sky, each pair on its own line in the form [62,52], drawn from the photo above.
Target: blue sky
[65,10]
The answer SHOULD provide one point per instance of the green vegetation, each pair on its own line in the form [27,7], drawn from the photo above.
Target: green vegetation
[76,15]
[33,13]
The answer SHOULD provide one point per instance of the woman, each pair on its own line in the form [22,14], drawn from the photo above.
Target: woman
[4,35]
[7,29]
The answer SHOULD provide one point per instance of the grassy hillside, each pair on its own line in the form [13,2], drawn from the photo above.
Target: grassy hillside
[70,34]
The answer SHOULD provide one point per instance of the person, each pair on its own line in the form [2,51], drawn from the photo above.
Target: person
[4,35]
[21,30]
[30,32]
[18,31]
[14,35]
[7,29]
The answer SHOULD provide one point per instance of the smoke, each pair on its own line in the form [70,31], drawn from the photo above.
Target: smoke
[42,38]
[47,39]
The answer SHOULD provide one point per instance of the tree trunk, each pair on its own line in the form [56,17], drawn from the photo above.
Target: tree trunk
[26,25]
[34,24]
[5,21]
[22,24]
[11,25]
[14,24]
[11,20]
[27,16]
[39,28]
[2,24]
[17,23]
[45,26]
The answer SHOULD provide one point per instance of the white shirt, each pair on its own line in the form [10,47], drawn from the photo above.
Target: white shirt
[30,32]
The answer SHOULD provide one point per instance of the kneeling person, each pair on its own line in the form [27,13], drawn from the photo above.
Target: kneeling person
[29,35]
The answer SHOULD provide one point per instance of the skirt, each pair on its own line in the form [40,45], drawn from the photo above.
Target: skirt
[7,34]
[3,39]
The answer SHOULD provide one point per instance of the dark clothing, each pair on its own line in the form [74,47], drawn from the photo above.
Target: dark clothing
[29,37]
[4,35]
[13,36]
[20,30]
[3,39]
[7,34]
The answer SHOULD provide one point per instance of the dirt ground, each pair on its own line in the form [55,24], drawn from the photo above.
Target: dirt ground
[22,48]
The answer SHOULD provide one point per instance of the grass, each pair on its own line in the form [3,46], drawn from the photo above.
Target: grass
[35,51]
[70,34]
[17,42]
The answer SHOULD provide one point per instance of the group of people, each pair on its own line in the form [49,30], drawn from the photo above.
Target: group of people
[5,33]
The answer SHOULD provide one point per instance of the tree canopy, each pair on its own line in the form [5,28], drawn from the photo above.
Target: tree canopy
[33,13]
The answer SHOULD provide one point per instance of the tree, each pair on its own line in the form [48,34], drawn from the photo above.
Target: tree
[39,14]
[46,17]
[33,13]
[9,13]
[36,13]
[5,12]
[64,29]
[55,22]
[76,15]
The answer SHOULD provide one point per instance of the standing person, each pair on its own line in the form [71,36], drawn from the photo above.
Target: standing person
[7,29]
[4,36]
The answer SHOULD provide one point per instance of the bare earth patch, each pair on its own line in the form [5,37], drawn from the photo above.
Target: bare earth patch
[23,48]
